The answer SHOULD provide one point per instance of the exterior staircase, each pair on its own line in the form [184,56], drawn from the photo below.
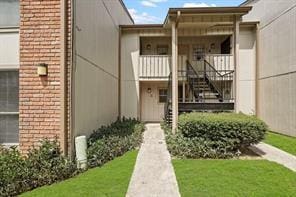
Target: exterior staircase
[207,92]
[202,88]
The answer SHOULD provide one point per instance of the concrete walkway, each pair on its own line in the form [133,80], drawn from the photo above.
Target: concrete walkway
[276,155]
[153,175]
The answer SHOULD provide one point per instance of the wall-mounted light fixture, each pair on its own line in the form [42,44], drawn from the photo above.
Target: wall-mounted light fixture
[213,46]
[148,47]
[42,69]
[149,90]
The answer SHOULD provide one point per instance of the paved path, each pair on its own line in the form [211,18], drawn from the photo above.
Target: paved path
[153,175]
[274,154]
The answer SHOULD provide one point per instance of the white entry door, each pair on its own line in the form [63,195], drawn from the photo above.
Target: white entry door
[152,102]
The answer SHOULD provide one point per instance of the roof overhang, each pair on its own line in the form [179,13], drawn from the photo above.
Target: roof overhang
[196,17]
[246,2]
[141,26]
[204,14]
[126,11]
[250,23]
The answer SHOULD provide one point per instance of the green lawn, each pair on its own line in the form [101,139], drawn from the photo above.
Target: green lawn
[234,178]
[283,142]
[110,180]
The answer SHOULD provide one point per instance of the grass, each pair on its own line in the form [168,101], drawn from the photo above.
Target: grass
[110,180]
[234,178]
[283,142]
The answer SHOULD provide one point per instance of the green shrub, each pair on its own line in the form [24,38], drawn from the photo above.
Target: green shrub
[13,172]
[114,140]
[47,164]
[209,135]
[44,165]
[121,127]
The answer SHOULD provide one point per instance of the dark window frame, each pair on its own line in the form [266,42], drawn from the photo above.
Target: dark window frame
[162,49]
[162,97]
[9,114]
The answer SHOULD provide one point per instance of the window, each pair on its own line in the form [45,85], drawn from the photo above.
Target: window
[10,14]
[162,93]
[9,106]
[162,49]
[198,52]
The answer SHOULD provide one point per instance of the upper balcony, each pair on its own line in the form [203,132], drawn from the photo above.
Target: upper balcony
[154,67]
[158,67]
[154,63]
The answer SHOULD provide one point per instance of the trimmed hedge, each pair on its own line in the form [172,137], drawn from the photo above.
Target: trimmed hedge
[43,166]
[114,140]
[214,135]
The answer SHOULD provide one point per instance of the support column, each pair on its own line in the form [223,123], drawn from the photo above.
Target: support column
[174,76]
[183,93]
[236,22]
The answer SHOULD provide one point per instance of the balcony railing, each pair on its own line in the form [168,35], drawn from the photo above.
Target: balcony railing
[158,67]
[221,62]
[154,66]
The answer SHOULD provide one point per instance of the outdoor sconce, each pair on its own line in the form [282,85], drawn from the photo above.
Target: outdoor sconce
[149,91]
[213,46]
[42,69]
[148,46]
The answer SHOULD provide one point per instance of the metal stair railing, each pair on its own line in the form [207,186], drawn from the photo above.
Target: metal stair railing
[192,76]
[219,84]
[217,81]
[169,98]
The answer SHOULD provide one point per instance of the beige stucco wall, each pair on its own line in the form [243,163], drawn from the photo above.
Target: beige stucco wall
[277,63]
[247,70]
[130,93]
[96,63]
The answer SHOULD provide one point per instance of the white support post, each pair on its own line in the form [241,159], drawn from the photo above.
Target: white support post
[174,77]
[183,93]
[236,22]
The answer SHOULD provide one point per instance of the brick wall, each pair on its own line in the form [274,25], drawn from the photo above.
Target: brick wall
[39,105]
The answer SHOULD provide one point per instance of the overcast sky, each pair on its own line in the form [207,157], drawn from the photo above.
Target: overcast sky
[154,11]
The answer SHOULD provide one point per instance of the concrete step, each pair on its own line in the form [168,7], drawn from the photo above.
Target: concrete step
[207,93]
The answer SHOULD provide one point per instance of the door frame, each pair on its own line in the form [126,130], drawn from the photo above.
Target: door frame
[156,86]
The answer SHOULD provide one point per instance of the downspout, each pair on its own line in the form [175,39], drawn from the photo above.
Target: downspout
[71,147]
[257,72]
[63,77]
[236,34]
[119,72]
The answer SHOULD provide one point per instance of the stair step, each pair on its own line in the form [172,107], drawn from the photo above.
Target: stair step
[200,81]
[203,87]
[197,83]
[206,93]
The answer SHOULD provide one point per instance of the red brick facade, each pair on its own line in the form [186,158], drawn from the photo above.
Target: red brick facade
[40,97]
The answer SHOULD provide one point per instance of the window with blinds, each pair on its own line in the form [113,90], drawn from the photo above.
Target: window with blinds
[9,13]
[162,95]
[9,106]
